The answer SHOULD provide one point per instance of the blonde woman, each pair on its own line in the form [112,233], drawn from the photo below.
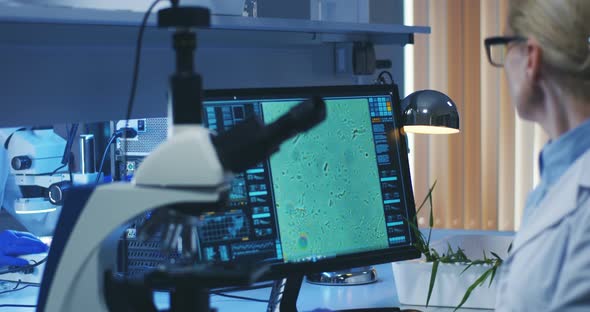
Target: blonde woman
[546,55]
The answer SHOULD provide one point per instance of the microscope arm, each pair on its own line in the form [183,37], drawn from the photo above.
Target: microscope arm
[85,242]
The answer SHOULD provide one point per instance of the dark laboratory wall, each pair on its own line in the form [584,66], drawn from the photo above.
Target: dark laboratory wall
[381,11]
[284,8]
[85,75]
[390,12]
[386,11]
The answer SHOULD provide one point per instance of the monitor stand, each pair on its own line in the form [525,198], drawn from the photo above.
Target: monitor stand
[351,277]
[285,292]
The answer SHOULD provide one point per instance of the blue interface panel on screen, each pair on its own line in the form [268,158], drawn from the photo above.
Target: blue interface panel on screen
[341,188]
[332,191]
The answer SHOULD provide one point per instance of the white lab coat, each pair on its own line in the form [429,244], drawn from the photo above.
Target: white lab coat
[548,268]
[41,224]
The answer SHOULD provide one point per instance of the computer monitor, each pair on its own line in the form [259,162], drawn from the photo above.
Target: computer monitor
[337,196]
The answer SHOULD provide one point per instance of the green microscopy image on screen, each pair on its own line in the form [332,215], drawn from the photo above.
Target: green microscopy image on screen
[326,184]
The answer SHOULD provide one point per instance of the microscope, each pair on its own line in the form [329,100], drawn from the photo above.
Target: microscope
[186,175]
[38,175]
[35,162]
[39,166]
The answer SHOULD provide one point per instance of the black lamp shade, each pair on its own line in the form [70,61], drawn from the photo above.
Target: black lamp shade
[431,112]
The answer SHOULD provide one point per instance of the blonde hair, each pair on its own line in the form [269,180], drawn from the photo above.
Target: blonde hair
[562,28]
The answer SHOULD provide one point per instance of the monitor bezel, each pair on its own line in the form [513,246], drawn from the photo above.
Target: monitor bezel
[391,254]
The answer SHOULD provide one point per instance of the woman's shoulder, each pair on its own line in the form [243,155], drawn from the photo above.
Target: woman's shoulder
[580,216]
[584,169]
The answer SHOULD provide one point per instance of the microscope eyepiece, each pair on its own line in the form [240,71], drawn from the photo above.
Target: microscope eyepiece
[21,162]
[250,142]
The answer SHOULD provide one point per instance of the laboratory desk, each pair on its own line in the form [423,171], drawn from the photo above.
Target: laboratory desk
[312,297]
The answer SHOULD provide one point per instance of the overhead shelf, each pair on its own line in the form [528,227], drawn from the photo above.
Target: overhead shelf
[24,24]
[62,65]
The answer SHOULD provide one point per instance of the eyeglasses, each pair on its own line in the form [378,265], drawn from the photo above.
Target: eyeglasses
[496,48]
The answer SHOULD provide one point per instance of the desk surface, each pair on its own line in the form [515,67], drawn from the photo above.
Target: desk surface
[312,297]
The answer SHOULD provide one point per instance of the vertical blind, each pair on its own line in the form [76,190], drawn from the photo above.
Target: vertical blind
[485,172]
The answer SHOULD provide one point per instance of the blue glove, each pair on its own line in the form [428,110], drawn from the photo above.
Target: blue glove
[14,243]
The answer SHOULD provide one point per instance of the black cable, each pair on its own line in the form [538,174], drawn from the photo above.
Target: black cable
[67,156]
[104,156]
[244,288]
[57,169]
[381,80]
[70,141]
[240,297]
[7,140]
[18,306]
[70,170]
[15,289]
[124,132]
[73,132]
[223,293]
[135,75]
[23,268]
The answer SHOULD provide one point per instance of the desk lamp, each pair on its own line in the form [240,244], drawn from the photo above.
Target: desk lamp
[430,112]
[424,112]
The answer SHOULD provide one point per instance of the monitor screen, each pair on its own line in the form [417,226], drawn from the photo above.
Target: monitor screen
[337,195]
[340,191]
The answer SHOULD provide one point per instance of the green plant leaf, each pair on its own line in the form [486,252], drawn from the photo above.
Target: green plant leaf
[474,262]
[461,256]
[477,282]
[423,245]
[420,242]
[432,279]
[429,234]
[417,231]
[429,195]
[435,253]
[495,255]
[466,268]
[461,252]
[494,269]
[431,218]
